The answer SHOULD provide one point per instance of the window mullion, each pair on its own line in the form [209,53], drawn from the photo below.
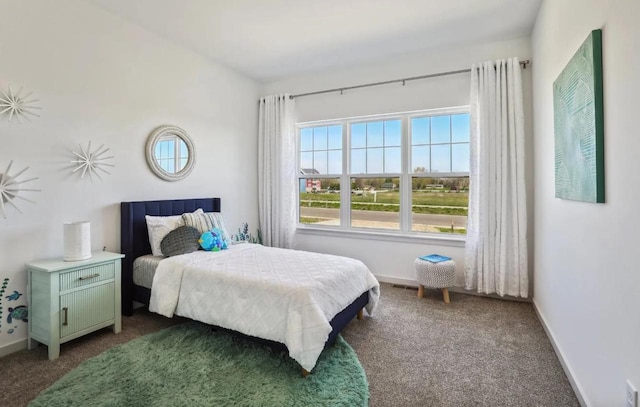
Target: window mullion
[450,143]
[345,179]
[405,179]
[298,170]
[176,154]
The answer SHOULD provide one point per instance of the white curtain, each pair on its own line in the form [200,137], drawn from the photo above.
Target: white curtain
[496,248]
[277,170]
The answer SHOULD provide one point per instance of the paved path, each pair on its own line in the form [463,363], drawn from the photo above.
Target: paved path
[379,216]
[306,201]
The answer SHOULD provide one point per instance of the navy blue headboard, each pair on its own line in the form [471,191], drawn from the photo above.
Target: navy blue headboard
[134,238]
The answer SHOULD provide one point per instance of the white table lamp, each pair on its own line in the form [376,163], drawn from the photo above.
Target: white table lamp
[77,241]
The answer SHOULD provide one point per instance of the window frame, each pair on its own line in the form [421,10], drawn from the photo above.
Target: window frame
[405,176]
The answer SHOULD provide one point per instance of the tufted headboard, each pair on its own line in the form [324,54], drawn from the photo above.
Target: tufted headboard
[134,237]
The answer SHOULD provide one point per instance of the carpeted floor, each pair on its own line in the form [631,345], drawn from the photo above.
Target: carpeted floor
[473,352]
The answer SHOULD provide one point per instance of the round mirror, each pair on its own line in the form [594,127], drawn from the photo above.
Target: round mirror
[170,153]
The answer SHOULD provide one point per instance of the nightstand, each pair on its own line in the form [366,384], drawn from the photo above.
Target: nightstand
[71,299]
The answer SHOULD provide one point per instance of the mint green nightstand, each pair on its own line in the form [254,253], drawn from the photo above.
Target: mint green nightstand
[71,299]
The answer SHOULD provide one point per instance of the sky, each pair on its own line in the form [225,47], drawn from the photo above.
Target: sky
[438,144]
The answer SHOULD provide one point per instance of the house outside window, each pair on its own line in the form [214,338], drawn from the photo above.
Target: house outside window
[405,172]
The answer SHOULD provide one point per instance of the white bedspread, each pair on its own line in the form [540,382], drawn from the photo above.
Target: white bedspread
[287,296]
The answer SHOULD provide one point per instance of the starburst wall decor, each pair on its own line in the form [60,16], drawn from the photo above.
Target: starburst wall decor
[91,161]
[10,189]
[16,105]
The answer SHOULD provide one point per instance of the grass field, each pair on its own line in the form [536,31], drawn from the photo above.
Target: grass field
[310,220]
[459,231]
[440,203]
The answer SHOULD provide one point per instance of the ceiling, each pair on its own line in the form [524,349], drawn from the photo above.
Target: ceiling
[272,39]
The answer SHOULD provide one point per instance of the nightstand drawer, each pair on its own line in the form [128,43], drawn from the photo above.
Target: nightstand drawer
[86,276]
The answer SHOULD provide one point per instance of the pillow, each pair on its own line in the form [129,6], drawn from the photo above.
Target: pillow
[160,226]
[206,221]
[182,240]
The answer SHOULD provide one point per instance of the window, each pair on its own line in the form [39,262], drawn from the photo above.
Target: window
[321,149]
[439,172]
[375,147]
[406,172]
[320,155]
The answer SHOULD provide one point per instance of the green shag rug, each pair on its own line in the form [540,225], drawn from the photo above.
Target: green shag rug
[191,365]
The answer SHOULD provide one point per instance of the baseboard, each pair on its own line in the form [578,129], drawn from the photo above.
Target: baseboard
[413,283]
[13,347]
[563,361]
[396,280]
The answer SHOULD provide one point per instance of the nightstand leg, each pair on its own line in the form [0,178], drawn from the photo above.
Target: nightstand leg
[54,351]
[117,327]
[445,295]
[420,291]
[32,344]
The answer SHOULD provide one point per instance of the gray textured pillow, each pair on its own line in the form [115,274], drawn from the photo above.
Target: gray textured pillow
[182,240]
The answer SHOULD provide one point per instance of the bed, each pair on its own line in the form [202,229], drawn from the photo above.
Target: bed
[135,244]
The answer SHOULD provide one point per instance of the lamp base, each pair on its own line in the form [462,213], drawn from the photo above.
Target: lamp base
[77,258]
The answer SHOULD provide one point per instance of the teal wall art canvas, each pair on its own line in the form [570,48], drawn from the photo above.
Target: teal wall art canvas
[579,125]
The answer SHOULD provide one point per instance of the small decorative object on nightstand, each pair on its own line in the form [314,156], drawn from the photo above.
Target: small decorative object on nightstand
[77,241]
[68,300]
[435,271]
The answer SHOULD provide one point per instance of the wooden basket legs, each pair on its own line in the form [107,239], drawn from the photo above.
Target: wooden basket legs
[445,295]
[361,314]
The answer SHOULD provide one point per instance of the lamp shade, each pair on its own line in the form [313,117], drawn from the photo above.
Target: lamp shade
[77,241]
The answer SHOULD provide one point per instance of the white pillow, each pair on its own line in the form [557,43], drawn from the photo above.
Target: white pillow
[160,226]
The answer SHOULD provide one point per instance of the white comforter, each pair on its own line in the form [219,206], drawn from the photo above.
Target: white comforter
[287,296]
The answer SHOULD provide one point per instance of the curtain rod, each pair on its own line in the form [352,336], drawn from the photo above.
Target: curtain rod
[403,80]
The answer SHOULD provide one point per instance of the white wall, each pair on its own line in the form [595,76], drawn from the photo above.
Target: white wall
[393,261]
[103,79]
[586,269]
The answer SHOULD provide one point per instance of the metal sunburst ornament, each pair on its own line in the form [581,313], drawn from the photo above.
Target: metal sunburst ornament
[16,105]
[91,161]
[10,189]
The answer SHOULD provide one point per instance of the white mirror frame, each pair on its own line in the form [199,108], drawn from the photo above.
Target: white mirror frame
[150,152]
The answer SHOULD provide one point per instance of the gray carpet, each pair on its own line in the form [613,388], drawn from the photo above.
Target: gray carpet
[473,352]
